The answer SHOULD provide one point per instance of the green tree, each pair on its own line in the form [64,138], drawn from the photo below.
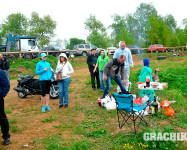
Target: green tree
[16,24]
[97,32]
[117,26]
[170,22]
[173,40]
[141,17]
[153,30]
[126,36]
[98,39]
[75,41]
[43,28]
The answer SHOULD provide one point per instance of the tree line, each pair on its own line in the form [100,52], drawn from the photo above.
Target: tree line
[143,28]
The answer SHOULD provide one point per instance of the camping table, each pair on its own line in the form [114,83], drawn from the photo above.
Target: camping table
[143,84]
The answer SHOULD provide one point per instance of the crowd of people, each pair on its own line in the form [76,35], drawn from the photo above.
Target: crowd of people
[116,69]
[101,68]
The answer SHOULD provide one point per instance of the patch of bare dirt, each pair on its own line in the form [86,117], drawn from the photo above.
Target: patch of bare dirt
[27,112]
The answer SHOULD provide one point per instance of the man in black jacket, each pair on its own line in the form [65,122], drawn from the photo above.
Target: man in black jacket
[4,89]
[91,61]
[5,65]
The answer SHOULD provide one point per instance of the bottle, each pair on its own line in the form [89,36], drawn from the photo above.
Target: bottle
[148,80]
[155,107]
[99,101]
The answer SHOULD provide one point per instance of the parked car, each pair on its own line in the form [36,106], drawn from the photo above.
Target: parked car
[157,48]
[81,49]
[55,49]
[84,49]
[134,49]
[111,50]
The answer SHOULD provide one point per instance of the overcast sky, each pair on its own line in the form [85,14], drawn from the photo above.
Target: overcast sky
[70,15]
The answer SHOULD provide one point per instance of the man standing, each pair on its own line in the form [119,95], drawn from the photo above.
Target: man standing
[1,61]
[4,89]
[123,50]
[115,69]
[91,61]
[5,65]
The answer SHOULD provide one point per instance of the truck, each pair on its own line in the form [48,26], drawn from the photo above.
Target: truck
[24,44]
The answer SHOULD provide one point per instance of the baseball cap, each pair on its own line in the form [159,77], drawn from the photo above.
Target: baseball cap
[43,55]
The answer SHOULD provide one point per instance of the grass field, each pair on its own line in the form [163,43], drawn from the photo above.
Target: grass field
[85,125]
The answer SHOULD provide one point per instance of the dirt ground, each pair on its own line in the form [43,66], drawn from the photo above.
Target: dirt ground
[30,121]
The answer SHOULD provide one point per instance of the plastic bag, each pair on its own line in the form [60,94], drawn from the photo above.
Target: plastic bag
[138,101]
[165,103]
[168,111]
[105,100]
[110,105]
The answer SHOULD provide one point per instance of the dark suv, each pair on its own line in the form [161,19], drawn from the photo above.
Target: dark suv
[55,49]
[134,49]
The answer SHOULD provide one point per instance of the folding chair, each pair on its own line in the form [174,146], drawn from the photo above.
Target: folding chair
[128,111]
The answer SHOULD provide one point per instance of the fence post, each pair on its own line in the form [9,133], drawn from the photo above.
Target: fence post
[19,54]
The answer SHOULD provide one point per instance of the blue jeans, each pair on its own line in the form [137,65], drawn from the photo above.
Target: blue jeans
[101,76]
[63,91]
[108,85]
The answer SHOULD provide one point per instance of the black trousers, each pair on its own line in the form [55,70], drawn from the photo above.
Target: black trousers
[45,86]
[4,121]
[93,76]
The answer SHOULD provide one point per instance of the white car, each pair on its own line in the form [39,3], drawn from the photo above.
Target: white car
[111,50]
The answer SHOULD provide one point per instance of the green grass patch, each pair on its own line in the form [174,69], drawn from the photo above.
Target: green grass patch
[49,120]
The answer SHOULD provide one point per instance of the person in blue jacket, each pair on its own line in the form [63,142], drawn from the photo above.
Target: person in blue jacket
[4,89]
[43,69]
[146,70]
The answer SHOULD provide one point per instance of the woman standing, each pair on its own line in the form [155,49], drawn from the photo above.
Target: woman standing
[43,69]
[101,62]
[66,69]
[142,78]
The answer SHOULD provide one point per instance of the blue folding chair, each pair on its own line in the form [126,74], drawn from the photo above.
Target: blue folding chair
[127,109]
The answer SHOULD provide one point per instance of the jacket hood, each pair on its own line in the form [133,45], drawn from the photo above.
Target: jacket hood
[62,54]
[104,52]
[120,44]
[146,62]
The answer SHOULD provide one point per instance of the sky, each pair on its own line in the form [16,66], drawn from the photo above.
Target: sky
[70,15]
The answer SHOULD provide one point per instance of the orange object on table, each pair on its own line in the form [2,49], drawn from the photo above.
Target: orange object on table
[140,83]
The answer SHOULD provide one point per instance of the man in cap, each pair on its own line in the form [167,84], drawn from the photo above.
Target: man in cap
[91,61]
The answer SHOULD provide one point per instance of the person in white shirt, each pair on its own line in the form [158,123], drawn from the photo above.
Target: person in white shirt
[123,50]
[66,69]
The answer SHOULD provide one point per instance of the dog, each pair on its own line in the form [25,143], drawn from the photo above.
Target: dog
[155,75]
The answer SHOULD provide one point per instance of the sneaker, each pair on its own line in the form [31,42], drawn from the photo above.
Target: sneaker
[66,106]
[43,109]
[6,141]
[60,106]
[47,108]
